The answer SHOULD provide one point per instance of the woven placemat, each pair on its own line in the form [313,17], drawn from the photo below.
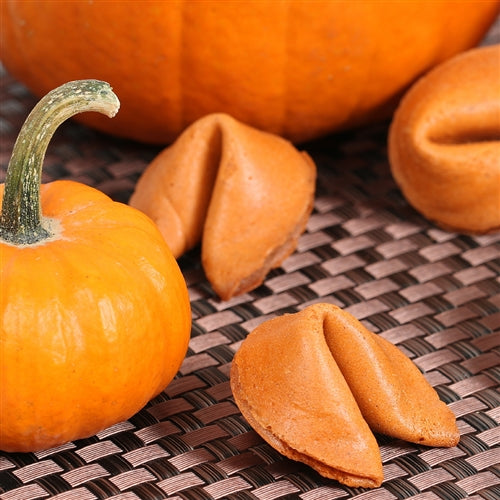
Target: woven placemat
[434,294]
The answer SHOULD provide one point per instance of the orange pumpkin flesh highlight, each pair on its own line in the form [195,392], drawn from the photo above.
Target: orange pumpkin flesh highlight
[294,68]
[95,320]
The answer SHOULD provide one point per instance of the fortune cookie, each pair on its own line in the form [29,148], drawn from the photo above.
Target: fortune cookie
[246,195]
[316,384]
[444,143]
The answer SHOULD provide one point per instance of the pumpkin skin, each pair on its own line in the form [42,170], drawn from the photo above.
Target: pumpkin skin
[294,68]
[95,318]
[94,323]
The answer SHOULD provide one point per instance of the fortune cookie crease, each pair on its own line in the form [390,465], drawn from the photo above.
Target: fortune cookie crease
[316,384]
[244,194]
[444,143]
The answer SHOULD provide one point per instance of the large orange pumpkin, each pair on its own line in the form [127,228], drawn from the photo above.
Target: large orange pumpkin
[94,311]
[301,69]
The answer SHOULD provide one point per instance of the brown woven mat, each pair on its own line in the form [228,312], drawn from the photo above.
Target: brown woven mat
[433,293]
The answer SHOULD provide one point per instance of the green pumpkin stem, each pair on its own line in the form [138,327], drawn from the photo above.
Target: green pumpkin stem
[21,220]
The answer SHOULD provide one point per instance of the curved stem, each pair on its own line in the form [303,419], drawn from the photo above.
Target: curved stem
[21,218]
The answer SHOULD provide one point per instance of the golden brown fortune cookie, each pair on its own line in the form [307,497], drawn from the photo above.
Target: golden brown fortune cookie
[444,143]
[246,195]
[316,385]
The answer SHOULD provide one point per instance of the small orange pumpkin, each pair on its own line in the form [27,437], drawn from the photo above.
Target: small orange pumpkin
[95,314]
[295,68]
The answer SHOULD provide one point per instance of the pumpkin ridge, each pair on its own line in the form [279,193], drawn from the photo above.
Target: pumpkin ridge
[145,53]
[287,92]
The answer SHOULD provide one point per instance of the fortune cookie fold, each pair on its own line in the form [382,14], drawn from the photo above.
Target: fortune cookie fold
[315,384]
[246,195]
[444,142]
